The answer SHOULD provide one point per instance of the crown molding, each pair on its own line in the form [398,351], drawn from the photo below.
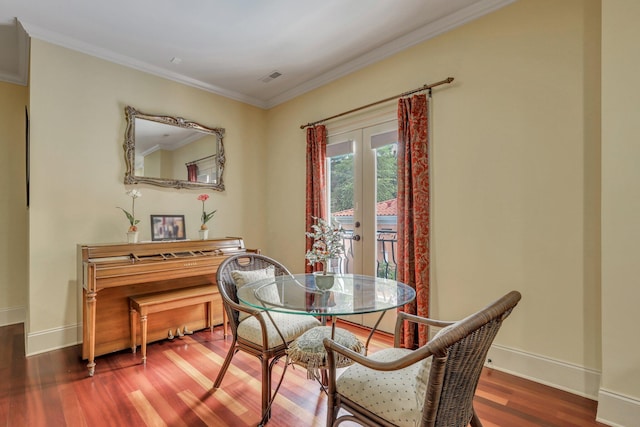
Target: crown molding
[77,45]
[21,74]
[420,35]
[23,53]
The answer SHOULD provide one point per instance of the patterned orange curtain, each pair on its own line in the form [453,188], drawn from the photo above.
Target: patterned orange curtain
[413,211]
[316,179]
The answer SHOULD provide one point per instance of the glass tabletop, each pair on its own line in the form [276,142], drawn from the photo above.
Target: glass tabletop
[350,294]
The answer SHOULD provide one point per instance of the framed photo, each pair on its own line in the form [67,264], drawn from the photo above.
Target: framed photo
[168,227]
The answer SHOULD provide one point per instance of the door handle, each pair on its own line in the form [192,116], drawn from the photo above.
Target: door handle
[356,237]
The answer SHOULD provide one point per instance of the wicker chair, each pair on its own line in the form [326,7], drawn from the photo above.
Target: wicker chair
[431,386]
[264,336]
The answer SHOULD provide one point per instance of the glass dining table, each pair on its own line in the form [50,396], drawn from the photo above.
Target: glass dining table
[350,294]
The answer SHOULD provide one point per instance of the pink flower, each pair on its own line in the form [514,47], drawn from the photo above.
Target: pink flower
[203,197]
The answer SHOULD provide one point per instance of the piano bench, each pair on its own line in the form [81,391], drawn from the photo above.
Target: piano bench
[143,305]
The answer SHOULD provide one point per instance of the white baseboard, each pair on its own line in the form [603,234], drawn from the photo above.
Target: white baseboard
[53,339]
[614,409]
[12,315]
[617,410]
[561,375]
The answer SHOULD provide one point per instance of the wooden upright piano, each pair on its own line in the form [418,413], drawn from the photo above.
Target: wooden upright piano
[113,272]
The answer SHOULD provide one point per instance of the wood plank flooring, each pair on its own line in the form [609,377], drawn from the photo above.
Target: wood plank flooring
[174,389]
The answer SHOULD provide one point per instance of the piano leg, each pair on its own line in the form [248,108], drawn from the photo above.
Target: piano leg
[143,346]
[91,310]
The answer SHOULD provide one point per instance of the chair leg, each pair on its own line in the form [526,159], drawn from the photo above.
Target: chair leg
[475,421]
[266,388]
[331,410]
[225,365]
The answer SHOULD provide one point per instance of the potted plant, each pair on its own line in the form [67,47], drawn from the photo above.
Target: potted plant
[204,230]
[328,244]
[132,233]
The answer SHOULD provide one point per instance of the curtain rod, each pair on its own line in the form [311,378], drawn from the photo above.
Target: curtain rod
[193,162]
[420,89]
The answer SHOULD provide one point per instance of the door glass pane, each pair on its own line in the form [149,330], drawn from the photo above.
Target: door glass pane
[386,206]
[340,174]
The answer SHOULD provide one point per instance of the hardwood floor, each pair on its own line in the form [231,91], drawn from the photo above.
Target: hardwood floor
[173,389]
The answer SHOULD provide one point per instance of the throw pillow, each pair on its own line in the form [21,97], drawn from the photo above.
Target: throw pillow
[243,277]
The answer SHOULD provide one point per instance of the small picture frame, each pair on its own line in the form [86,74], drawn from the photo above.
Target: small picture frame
[168,227]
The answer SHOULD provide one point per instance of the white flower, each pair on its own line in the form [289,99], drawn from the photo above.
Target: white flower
[134,193]
[328,242]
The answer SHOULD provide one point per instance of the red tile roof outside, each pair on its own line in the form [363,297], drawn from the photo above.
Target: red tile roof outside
[384,208]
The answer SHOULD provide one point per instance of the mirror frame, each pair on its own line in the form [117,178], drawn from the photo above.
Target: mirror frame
[130,151]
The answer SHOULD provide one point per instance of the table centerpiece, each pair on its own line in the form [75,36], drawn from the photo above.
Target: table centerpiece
[328,244]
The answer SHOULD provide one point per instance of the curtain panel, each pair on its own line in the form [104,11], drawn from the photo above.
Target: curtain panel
[192,172]
[413,211]
[316,180]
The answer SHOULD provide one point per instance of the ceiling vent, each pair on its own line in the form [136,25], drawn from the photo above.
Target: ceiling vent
[269,77]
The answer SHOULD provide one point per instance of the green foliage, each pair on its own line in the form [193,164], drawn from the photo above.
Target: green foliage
[130,217]
[207,216]
[341,182]
[387,173]
[342,178]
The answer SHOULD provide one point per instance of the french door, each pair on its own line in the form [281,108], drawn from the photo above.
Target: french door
[362,190]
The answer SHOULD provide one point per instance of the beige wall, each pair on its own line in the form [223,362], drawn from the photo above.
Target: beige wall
[13,204]
[516,170]
[78,124]
[620,205]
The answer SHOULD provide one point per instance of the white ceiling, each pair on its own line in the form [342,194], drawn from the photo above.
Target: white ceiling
[229,46]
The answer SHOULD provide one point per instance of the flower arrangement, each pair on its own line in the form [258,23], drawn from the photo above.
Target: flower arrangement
[134,194]
[328,242]
[205,216]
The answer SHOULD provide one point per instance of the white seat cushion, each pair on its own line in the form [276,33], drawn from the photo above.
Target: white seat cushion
[290,325]
[391,395]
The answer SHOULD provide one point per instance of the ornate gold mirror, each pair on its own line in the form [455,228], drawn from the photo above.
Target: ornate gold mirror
[172,152]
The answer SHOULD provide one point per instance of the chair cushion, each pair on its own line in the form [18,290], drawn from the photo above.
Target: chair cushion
[391,395]
[242,277]
[308,350]
[290,325]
